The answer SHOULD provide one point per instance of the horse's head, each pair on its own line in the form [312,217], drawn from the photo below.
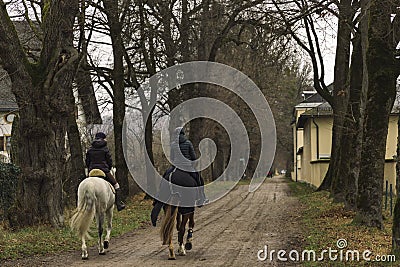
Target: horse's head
[97,173]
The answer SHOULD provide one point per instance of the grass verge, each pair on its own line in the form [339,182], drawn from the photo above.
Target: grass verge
[42,239]
[326,222]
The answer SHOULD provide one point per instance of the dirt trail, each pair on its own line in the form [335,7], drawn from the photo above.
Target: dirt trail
[229,232]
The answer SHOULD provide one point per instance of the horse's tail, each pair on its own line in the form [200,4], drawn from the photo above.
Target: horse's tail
[167,226]
[84,214]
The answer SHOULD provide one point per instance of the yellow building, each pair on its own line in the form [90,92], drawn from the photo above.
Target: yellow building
[312,100]
[312,131]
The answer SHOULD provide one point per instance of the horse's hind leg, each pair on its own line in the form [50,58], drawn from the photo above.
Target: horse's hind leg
[85,254]
[181,233]
[171,254]
[109,215]
[100,223]
[178,221]
[189,238]
[191,220]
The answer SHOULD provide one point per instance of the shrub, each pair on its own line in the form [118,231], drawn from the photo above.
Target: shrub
[8,184]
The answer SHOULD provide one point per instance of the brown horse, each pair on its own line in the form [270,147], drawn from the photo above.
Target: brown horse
[172,214]
[177,212]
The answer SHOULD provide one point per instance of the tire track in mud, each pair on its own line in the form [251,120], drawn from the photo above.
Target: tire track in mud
[247,230]
[217,211]
[244,226]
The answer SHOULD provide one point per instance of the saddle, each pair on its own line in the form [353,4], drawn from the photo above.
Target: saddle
[97,173]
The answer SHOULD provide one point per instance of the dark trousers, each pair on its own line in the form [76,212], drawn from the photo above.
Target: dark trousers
[110,178]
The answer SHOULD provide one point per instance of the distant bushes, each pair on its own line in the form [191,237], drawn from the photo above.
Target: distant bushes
[8,186]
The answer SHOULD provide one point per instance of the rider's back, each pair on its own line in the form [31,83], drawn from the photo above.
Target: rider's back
[185,147]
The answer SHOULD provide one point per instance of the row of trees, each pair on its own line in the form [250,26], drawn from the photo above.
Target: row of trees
[142,37]
[364,91]
[147,36]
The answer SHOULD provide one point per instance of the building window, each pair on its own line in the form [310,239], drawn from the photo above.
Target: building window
[8,144]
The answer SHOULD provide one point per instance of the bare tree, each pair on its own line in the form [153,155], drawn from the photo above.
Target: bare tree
[41,90]
[113,11]
[379,87]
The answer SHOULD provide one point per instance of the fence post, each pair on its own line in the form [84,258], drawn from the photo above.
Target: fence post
[386,194]
[391,199]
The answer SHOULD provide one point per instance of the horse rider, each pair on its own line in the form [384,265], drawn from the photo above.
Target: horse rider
[181,145]
[98,156]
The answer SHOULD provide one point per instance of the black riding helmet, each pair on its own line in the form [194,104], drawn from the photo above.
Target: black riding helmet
[100,135]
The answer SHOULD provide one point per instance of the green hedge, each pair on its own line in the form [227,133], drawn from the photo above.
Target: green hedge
[8,185]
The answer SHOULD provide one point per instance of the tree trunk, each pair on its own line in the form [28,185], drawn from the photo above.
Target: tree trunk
[331,180]
[218,166]
[86,93]
[148,140]
[352,135]
[113,14]
[41,91]
[83,79]
[40,187]
[334,180]
[76,163]
[381,79]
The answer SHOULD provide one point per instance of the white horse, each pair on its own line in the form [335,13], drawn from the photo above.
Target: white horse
[95,198]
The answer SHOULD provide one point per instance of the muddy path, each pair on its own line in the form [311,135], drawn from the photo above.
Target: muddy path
[229,232]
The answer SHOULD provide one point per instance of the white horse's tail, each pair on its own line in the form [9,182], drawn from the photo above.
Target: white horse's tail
[84,214]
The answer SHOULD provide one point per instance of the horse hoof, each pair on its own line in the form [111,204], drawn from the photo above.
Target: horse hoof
[171,259]
[102,253]
[106,244]
[85,258]
[181,253]
[188,246]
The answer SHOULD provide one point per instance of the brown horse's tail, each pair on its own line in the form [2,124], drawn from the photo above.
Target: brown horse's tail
[167,226]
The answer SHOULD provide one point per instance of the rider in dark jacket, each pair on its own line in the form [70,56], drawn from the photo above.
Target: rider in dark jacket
[184,146]
[99,157]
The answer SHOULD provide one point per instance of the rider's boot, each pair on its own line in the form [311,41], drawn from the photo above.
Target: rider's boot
[120,205]
[202,198]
